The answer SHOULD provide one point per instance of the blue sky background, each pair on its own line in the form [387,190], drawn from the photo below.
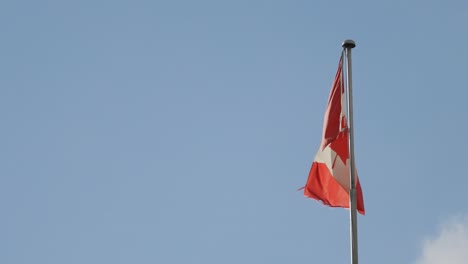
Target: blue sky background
[179,131]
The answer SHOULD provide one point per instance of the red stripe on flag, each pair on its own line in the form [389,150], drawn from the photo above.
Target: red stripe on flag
[323,187]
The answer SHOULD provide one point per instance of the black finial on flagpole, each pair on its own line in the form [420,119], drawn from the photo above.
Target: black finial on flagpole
[348,44]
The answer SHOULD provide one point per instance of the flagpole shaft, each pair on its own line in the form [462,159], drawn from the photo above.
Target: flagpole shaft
[347,46]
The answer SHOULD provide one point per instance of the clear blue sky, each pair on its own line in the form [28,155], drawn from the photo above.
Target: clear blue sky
[179,131]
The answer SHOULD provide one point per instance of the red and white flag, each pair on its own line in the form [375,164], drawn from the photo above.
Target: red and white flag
[329,177]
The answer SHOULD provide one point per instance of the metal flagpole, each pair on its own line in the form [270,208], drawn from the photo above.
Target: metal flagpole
[347,46]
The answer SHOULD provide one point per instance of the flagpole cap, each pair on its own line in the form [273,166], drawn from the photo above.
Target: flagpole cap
[348,44]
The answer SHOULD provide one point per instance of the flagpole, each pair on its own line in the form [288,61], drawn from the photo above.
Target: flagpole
[347,46]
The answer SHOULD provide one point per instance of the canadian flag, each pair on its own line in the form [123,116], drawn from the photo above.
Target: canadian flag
[329,177]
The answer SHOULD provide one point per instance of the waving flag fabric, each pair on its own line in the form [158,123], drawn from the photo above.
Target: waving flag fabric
[329,177]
